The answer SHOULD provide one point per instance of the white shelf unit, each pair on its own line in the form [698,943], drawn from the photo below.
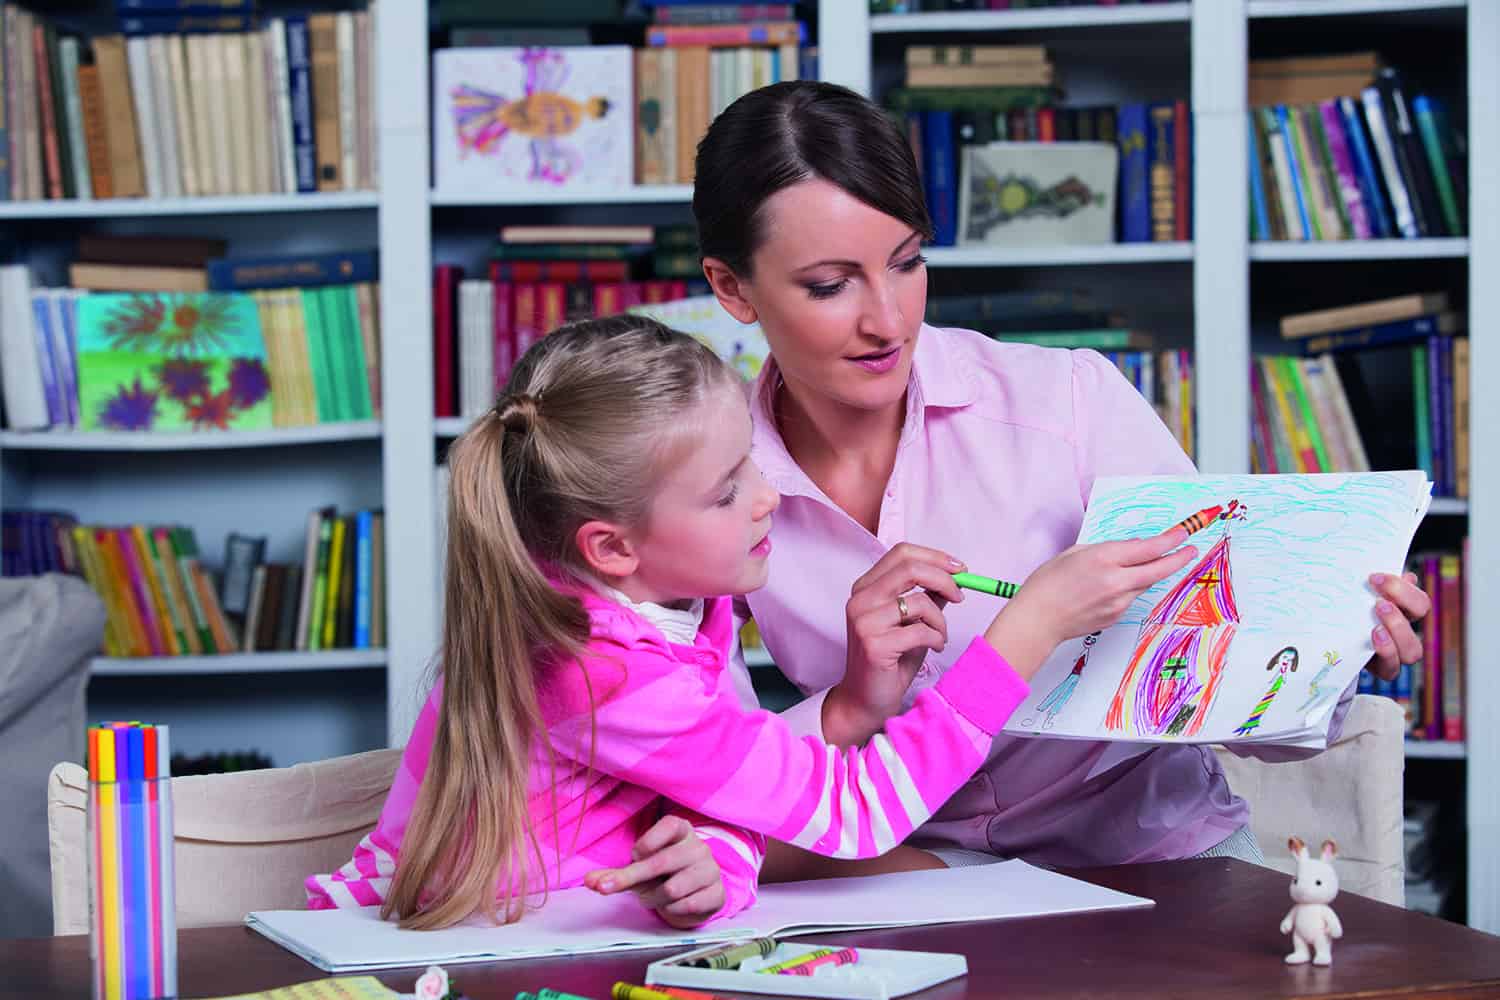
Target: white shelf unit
[640,194]
[1060,256]
[257,204]
[1222,257]
[237,663]
[362,430]
[1435,750]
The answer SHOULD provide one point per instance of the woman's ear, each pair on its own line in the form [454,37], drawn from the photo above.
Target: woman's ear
[729,289]
[606,549]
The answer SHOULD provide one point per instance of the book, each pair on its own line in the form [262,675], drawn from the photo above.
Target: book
[132,278]
[1190,661]
[148,251]
[227,274]
[580,922]
[1360,314]
[627,235]
[541,118]
[1380,334]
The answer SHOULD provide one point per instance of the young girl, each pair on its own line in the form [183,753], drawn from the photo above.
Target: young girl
[585,729]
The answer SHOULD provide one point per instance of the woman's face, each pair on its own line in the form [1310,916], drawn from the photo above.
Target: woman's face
[840,290]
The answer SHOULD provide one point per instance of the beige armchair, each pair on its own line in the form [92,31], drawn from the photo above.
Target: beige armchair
[1351,793]
[244,841]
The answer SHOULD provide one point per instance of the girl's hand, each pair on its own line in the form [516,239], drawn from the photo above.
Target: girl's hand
[885,651]
[673,873]
[1401,603]
[1081,590]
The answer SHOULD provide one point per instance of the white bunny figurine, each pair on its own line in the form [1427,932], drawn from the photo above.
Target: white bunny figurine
[1311,921]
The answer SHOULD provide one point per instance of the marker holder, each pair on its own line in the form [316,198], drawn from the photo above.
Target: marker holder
[132,897]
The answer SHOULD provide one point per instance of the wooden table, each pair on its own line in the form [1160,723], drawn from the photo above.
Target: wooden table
[1213,933]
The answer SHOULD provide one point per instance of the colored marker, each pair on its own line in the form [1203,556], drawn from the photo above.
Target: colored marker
[628,991]
[138,865]
[109,866]
[802,959]
[167,844]
[985,585]
[731,956]
[846,957]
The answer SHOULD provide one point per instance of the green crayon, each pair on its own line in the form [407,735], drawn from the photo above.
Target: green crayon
[983,584]
[731,956]
[549,994]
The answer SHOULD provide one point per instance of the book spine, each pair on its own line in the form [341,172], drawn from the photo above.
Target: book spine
[156,630]
[1289,143]
[445,290]
[348,98]
[504,334]
[9,87]
[161,595]
[108,545]
[939,175]
[1163,172]
[1365,169]
[1308,178]
[322,30]
[138,68]
[1306,414]
[1450,588]
[188,142]
[318,608]
[728,35]
[184,619]
[1182,122]
[159,59]
[1423,412]
[1377,335]
[1331,201]
[368,308]
[227,274]
[1344,168]
[64,357]
[184,551]
[335,576]
[1441,348]
[1402,208]
[1432,146]
[1281,168]
[1432,652]
[1135,193]
[300,97]
[1260,219]
[51,157]
[1409,156]
[41,330]
[1435,406]
[363,580]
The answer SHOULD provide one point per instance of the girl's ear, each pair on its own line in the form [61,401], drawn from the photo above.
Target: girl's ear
[606,548]
[729,289]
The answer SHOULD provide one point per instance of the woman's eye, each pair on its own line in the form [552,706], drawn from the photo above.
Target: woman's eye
[828,290]
[912,263]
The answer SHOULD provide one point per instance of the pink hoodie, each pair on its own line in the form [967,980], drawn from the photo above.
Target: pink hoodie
[669,734]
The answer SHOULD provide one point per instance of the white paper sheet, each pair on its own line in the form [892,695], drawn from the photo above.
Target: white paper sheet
[576,921]
[1254,641]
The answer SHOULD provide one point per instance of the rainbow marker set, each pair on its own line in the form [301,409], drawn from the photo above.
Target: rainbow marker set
[133,912]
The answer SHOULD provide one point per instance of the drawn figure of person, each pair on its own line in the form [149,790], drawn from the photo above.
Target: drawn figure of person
[542,115]
[1314,693]
[1284,662]
[1058,697]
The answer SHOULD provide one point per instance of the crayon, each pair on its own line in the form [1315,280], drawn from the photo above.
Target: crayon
[973,581]
[731,956]
[627,991]
[550,994]
[792,963]
[846,957]
[682,994]
[1208,515]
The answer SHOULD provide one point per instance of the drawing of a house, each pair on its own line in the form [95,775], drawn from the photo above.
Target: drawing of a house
[1174,672]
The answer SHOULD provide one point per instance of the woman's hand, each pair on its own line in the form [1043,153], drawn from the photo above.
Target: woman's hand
[1081,590]
[885,648]
[673,873]
[1401,604]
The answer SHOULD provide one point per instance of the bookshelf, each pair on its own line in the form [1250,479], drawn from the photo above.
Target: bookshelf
[1224,264]
[258,204]
[236,663]
[640,194]
[361,430]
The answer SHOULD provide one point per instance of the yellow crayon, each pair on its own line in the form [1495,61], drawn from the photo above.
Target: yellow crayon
[792,963]
[628,991]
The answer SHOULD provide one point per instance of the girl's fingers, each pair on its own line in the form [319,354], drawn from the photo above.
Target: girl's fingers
[703,903]
[1139,551]
[1385,664]
[1408,647]
[701,874]
[1141,576]
[638,873]
[667,830]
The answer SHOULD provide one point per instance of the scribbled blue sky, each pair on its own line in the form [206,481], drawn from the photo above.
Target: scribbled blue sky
[1303,551]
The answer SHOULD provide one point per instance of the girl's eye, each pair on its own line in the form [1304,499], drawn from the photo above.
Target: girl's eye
[828,290]
[728,499]
[911,264]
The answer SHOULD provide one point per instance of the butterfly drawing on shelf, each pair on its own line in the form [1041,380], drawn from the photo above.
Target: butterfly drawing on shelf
[542,116]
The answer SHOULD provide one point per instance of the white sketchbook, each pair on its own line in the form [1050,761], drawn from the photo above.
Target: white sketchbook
[579,922]
[742,345]
[1255,640]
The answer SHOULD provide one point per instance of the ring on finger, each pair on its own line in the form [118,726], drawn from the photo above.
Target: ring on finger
[902,610]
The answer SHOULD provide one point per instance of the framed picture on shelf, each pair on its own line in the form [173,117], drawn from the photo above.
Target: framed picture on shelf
[533,118]
[1020,194]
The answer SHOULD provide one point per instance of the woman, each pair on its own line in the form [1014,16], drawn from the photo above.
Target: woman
[903,446]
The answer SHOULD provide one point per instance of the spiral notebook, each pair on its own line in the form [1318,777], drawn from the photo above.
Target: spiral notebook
[578,922]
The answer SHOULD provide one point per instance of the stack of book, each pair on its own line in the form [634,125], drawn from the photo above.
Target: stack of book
[1378,385]
[1340,149]
[1073,320]
[690,72]
[540,277]
[191,343]
[184,104]
[333,599]
[976,95]
[1431,691]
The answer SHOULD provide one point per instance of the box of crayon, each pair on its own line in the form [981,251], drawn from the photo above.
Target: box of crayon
[785,968]
[132,898]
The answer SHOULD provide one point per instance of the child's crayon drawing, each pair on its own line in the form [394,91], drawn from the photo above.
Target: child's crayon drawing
[1188,660]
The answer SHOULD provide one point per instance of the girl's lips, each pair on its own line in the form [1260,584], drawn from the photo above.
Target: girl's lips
[762,548]
[879,363]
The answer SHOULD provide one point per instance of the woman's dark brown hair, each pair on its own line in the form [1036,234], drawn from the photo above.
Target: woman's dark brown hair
[780,135]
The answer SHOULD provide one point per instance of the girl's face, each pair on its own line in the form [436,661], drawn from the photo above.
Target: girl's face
[840,290]
[709,528]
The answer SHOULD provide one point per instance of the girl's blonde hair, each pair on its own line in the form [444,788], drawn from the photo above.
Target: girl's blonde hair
[590,418]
